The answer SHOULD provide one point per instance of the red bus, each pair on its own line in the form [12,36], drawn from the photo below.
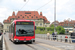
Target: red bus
[22,31]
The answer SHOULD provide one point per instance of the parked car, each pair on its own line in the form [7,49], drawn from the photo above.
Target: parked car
[73,36]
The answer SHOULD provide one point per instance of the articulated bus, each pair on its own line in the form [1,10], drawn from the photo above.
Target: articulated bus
[22,31]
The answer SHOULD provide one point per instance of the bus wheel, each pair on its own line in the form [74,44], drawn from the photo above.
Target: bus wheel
[33,40]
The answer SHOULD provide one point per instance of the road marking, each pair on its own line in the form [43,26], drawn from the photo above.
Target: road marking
[42,47]
[50,46]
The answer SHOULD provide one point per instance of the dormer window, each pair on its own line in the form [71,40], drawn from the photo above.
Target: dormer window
[41,14]
[36,17]
[13,14]
[8,20]
[18,17]
[32,16]
[27,17]
[23,16]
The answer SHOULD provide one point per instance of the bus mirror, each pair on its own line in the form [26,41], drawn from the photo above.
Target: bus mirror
[13,24]
[35,27]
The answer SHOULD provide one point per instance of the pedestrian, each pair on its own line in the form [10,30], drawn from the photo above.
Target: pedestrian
[53,34]
[48,35]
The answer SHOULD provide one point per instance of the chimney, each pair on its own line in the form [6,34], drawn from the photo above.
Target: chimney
[41,13]
[13,14]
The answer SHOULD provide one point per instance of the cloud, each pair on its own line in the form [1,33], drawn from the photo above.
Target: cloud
[64,8]
[4,13]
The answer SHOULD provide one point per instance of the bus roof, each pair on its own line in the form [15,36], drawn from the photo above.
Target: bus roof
[20,20]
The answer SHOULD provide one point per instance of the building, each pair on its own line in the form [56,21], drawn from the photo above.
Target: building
[1,27]
[68,25]
[56,23]
[40,20]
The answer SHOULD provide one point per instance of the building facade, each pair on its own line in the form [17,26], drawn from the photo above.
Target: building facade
[1,27]
[68,25]
[40,20]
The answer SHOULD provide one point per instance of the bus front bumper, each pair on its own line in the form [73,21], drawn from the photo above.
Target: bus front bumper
[33,40]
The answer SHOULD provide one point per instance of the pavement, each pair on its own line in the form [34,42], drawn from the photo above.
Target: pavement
[40,44]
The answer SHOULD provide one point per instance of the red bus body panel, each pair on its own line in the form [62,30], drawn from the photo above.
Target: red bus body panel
[22,38]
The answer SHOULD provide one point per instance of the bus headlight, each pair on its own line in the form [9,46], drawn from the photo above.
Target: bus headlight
[33,40]
[15,39]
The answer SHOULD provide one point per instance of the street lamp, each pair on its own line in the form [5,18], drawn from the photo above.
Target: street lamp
[68,25]
[54,15]
[45,27]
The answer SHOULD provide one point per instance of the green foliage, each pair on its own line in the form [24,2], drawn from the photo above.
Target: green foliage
[48,28]
[52,27]
[60,30]
[43,30]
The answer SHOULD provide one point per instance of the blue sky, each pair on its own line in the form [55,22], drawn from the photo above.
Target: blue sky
[64,8]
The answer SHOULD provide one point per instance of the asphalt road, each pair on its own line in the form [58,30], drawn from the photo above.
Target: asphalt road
[40,44]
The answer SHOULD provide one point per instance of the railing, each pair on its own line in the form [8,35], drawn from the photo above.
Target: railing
[1,40]
[61,38]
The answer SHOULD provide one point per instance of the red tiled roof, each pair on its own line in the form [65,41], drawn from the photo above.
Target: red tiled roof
[27,15]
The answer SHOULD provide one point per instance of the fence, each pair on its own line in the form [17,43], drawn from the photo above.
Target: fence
[1,40]
[57,38]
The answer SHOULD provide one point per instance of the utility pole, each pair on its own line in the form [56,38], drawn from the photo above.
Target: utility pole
[54,15]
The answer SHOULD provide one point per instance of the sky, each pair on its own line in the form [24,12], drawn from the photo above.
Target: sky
[65,9]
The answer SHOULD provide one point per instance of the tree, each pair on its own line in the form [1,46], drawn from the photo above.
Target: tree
[52,27]
[60,30]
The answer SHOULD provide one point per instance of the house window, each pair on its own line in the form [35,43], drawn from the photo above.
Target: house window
[27,12]
[32,16]
[18,17]
[27,17]
[8,20]
[36,23]
[7,26]
[40,24]
[13,14]
[36,17]
[23,16]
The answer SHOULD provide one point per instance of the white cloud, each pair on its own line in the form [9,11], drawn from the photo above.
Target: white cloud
[64,8]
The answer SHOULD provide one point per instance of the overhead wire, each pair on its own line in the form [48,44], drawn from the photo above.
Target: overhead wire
[43,5]
[24,4]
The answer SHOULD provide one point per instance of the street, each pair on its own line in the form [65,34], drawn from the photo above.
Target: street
[39,44]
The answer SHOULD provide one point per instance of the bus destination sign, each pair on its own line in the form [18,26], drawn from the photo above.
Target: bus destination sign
[24,23]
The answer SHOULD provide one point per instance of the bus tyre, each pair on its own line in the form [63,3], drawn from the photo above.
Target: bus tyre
[33,40]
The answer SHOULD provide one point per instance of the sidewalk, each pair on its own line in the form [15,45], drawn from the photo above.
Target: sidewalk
[63,45]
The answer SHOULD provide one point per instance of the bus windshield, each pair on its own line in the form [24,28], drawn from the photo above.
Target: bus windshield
[24,30]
